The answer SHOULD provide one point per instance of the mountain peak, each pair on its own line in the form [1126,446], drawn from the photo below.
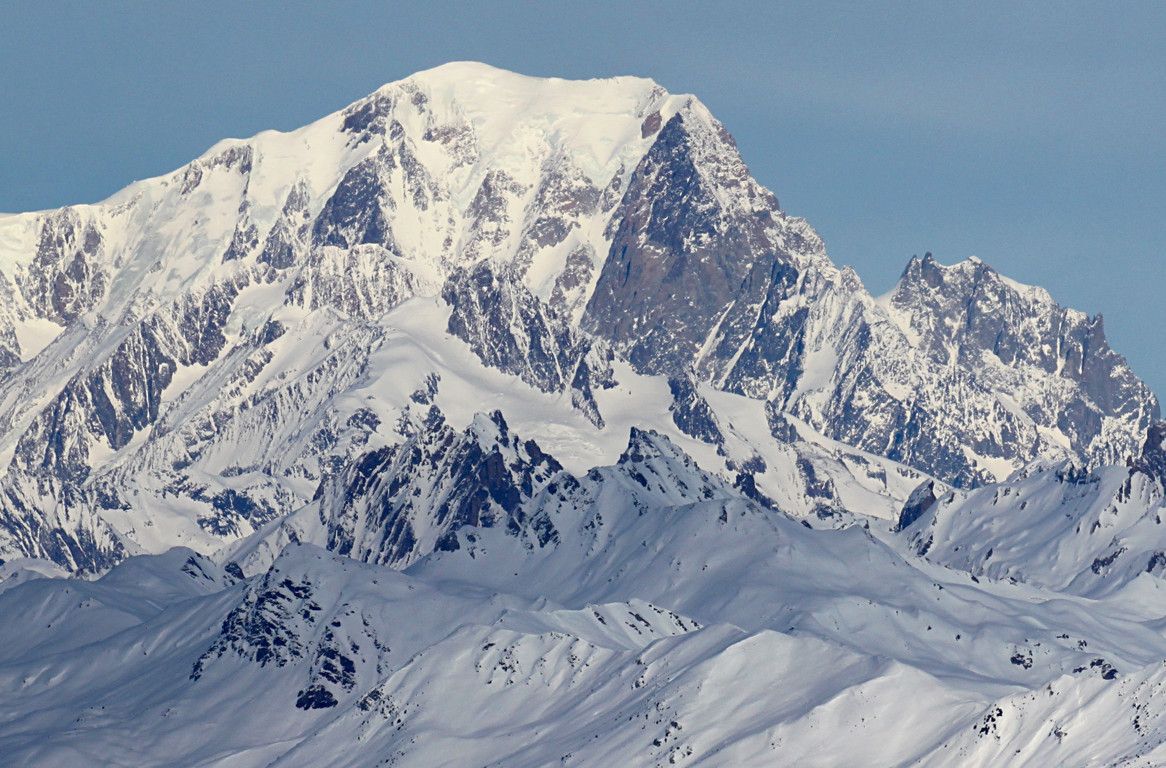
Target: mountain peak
[509,104]
[555,226]
[470,74]
[460,70]
[375,339]
[932,271]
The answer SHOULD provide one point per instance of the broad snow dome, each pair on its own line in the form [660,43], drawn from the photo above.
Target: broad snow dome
[445,136]
[597,123]
[519,124]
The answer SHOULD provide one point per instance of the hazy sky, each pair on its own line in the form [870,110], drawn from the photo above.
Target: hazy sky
[1034,138]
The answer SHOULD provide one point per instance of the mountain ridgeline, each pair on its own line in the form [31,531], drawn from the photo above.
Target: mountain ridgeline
[191,359]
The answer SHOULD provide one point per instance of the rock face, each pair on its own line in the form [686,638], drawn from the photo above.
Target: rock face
[67,276]
[510,329]
[920,500]
[696,243]
[691,412]
[1054,362]
[1152,461]
[398,503]
[187,361]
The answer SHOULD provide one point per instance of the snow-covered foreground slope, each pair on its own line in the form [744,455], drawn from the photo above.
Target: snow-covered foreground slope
[665,622]
[1057,525]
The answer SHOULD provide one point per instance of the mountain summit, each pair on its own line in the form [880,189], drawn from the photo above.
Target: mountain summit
[203,345]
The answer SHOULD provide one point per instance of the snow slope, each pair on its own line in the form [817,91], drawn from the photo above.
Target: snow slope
[667,622]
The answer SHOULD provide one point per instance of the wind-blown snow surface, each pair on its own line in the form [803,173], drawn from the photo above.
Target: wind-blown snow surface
[508,421]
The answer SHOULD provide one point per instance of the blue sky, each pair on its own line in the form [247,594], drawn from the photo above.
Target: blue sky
[1032,137]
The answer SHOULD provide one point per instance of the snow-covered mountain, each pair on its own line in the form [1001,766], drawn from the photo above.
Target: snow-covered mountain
[190,358]
[511,418]
[648,616]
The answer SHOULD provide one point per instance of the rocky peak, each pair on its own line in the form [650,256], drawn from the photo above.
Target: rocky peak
[968,309]
[396,504]
[695,239]
[1152,461]
[655,468]
[970,314]
[921,500]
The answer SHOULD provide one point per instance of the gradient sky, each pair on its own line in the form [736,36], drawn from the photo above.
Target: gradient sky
[1034,138]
